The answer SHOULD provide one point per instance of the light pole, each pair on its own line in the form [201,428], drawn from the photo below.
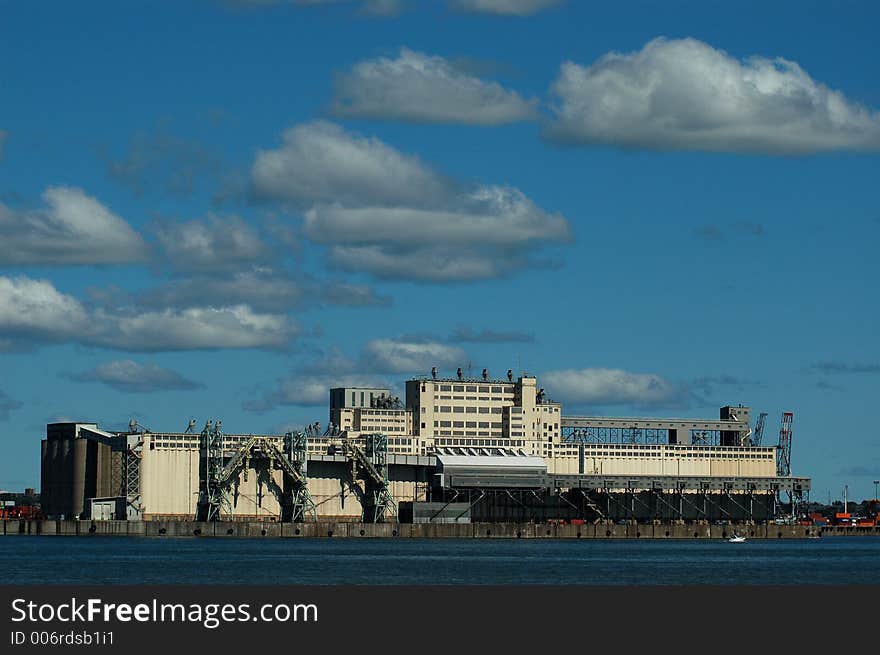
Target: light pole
[876,482]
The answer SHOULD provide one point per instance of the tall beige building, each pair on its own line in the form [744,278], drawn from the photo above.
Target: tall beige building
[482,414]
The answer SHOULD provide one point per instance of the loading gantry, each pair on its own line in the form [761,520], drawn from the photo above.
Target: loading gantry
[219,469]
[370,465]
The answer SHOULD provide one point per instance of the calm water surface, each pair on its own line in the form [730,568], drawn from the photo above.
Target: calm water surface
[124,560]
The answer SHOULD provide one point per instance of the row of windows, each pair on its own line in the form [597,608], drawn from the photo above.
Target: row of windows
[469,433]
[458,388]
[456,409]
[466,424]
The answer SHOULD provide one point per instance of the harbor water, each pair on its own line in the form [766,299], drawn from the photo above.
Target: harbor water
[123,560]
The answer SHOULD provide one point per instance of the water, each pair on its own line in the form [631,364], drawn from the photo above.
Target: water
[125,560]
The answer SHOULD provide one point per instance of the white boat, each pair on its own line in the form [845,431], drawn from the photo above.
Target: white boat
[736,539]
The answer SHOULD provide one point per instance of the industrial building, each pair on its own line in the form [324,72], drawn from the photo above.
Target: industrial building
[500,450]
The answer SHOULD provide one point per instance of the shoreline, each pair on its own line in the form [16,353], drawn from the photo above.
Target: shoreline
[351,530]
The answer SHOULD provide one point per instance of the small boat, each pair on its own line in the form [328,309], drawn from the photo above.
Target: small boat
[736,539]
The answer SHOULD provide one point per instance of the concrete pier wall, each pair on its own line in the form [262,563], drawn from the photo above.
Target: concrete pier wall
[327,529]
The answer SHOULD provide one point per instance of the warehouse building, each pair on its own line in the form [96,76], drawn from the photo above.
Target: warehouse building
[502,446]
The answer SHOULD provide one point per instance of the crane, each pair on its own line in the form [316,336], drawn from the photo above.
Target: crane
[759,429]
[783,453]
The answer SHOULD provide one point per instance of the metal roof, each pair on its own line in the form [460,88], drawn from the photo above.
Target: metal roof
[489,462]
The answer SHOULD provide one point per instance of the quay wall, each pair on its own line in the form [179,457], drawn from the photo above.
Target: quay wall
[347,529]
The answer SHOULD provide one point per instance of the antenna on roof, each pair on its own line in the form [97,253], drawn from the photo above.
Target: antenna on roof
[485,373]
[459,372]
[191,426]
[510,375]
[434,372]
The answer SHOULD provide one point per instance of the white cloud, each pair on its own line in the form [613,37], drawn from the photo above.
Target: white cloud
[73,228]
[401,356]
[504,7]
[684,94]
[197,328]
[131,377]
[260,288]
[421,88]
[214,244]
[321,162]
[602,386]
[311,383]
[422,264]
[491,216]
[34,311]
[388,214]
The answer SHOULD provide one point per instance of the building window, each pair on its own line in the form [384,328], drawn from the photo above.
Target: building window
[484,410]
[458,389]
[458,410]
[445,424]
[470,424]
[458,424]
[496,389]
[471,410]
[445,408]
[445,387]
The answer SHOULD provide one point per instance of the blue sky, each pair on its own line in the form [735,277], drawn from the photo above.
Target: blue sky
[219,209]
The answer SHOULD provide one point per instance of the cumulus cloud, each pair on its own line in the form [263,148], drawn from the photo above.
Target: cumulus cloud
[261,288]
[496,216]
[7,405]
[214,244]
[468,335]
[504,7]
[311,383]
[73,228]
[685,94]
[321,162]
[197,328]
[425,89]
[389,214]
[34,311]
[400,356]
[353,295]
[602,386]
[131,377]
